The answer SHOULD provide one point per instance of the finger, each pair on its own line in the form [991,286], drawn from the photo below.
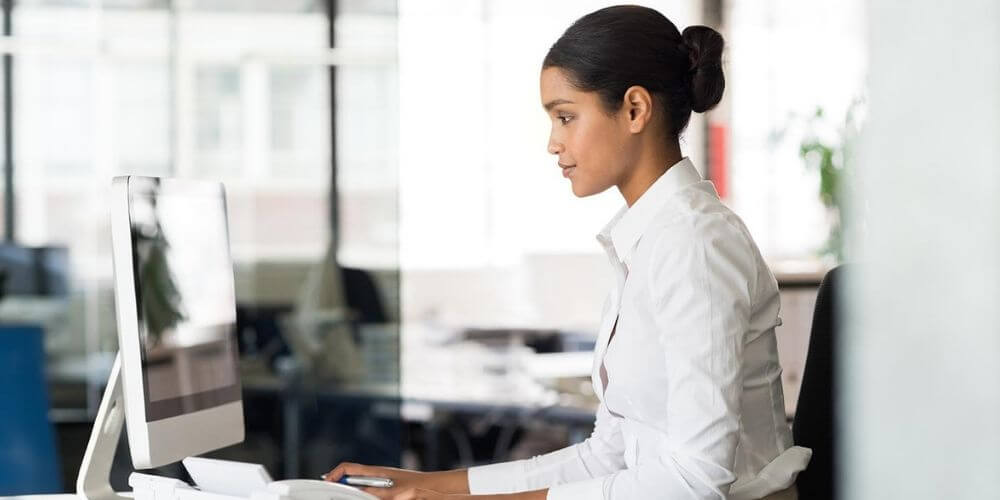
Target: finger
[334,474]
[345,468]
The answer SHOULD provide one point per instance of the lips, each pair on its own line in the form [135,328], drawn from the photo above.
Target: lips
[567,169]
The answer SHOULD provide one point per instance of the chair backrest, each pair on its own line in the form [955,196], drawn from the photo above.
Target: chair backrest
[29,462]
[329,287]
[363,295]
[815,415]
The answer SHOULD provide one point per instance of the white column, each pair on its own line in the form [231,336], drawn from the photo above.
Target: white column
[256,104]
[921,364]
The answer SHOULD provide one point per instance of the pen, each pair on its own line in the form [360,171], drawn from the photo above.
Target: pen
[374,482]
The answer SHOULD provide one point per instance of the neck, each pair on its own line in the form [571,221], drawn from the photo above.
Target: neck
[651,165]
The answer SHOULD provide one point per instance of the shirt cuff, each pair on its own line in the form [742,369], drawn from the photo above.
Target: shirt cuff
[505,477]
[590,489]
[776,476]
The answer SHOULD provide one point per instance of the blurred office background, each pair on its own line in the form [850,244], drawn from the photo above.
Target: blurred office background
[389,156]
[293,105]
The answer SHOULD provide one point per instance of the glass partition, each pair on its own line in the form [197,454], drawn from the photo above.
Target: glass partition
[292,105]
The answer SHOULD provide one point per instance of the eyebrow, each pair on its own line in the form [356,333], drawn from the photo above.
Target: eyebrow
[555,102]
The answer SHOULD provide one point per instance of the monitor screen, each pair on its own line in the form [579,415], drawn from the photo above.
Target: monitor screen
[185,297]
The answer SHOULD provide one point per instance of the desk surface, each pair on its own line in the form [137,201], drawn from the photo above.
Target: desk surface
[59,496]
[412,399]
[473,394]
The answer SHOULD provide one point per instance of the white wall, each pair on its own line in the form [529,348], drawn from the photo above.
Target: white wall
[921,366]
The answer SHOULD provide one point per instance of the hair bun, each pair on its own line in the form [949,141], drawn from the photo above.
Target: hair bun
[704,47]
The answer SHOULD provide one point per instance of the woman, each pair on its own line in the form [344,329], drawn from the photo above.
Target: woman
[686,366]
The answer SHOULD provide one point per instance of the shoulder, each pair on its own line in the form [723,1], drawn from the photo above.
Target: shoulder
[698,243]
[695,219]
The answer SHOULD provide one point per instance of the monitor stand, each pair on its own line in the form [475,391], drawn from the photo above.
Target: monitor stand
[94,480]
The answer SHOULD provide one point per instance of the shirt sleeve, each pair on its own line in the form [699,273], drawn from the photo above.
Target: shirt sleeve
[700,287]
[599,455]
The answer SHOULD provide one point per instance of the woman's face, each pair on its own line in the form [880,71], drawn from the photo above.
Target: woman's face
[592,146]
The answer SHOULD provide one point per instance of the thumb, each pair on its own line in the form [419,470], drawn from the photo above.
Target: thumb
[348,468]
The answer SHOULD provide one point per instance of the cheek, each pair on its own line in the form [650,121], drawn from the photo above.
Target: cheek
[586,142]
[595,147]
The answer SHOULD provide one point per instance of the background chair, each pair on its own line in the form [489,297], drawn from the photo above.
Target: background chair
[29,462]
[363,296]
[815,424]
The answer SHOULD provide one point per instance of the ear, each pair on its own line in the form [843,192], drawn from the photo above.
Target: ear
[638,108]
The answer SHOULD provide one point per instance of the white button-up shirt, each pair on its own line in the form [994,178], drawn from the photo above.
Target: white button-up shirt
[693,408]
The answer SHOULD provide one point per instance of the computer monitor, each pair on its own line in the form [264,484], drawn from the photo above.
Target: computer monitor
[33,271]
[176,307]
[175,380]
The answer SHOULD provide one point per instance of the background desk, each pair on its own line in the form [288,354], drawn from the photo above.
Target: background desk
[293,425]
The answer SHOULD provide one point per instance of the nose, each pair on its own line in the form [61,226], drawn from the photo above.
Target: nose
[554,147]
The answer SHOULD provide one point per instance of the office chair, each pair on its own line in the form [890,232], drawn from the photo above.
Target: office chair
[363,295]
[29,462]
[815,424]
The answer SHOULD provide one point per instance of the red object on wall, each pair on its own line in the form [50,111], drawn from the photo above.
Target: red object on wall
[718,165]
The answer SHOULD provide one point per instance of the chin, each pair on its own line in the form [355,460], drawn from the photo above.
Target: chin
[583,191]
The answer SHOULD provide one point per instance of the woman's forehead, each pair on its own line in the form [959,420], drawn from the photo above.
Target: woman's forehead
[555,80]
[556,89]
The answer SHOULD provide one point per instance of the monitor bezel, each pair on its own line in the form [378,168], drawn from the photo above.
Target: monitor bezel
[161,439]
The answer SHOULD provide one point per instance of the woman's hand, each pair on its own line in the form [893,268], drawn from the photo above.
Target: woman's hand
[405,481]
[422,494]
[412,494]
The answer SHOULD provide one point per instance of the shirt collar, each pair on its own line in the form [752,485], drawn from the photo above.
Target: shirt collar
[623,231]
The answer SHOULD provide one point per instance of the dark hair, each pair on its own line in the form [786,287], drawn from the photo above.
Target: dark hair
[614,48]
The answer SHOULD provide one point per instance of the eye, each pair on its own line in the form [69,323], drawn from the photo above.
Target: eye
[564,119]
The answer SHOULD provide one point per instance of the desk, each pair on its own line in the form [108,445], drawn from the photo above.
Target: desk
[417,402]
[61,496]
[414,403]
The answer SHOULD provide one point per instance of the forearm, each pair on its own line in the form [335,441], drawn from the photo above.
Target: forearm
[525,495]
[450,481]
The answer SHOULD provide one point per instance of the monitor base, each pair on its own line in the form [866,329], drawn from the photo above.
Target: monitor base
[94,479]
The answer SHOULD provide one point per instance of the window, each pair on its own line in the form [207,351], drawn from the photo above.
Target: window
[786,60]
[491,232]
[238,92]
